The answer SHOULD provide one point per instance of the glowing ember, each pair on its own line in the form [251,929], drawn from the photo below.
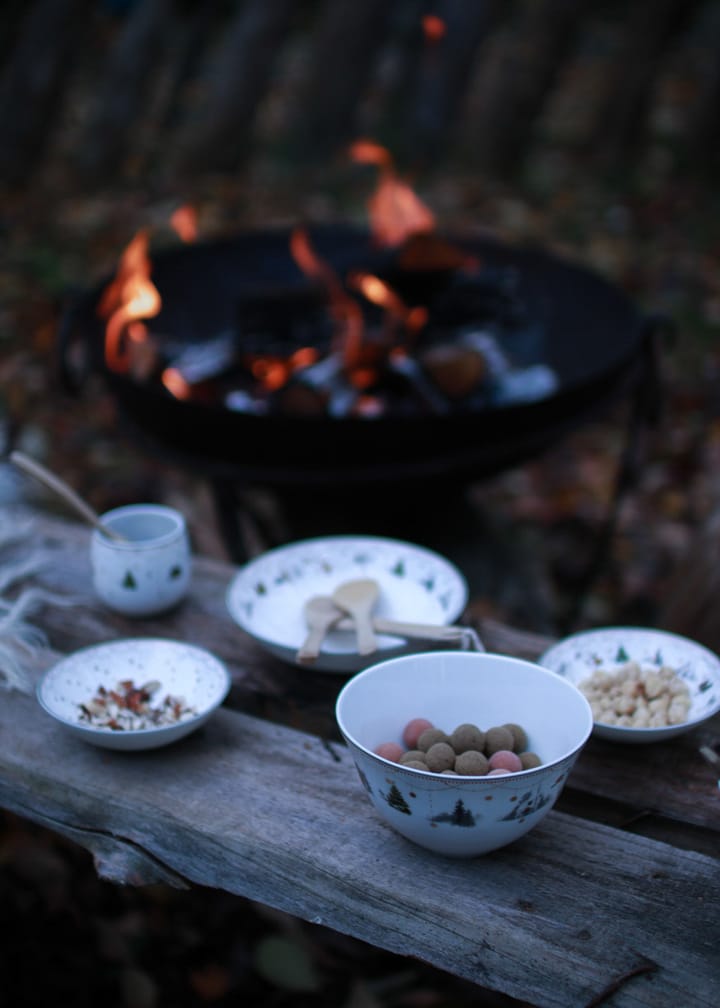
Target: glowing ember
[434,28]
[184,221]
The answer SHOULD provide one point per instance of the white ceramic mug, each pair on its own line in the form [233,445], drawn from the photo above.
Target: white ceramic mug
[148,571]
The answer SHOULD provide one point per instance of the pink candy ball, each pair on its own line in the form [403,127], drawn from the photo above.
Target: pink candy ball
[413,730]
[497,772]
[390,750]
[503,759]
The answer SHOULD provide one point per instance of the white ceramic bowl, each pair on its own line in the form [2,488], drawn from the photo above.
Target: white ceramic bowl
[183,671]
[454,815]
[267,595]
[610,648]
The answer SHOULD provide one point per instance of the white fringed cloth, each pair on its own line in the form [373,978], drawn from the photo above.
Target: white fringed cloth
[24,651]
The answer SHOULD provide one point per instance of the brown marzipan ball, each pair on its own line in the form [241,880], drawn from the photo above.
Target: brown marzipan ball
[415,765]
[471,764]
[429,737]
[530,760]
[440,756]
[413,755]
[498,738]
[519,736]
[467,736]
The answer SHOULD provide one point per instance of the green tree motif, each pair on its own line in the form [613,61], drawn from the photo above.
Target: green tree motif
[129,581]
[395,800]
[462,816]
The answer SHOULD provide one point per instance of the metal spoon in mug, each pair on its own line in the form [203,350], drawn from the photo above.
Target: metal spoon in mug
[62,489]
[357,598]
[321,615]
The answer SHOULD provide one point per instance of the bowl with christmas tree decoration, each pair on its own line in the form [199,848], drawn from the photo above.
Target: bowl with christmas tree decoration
[462,752]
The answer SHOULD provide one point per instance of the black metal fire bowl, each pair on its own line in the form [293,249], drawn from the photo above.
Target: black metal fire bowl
[593,338]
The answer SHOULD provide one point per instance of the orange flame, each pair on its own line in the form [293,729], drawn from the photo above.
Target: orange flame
[396,212]
[381,294]
[175,383]
[130,297]
[343,309]
[184,221]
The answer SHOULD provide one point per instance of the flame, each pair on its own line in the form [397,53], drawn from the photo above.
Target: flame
[271,372]
[175,383]
[396,212]
[382,294]
[303,358]
[369,152]
[343,309]
[434,28]
[130,297]
[184,221]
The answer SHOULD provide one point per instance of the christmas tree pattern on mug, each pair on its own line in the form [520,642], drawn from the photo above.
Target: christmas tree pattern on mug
[130,583]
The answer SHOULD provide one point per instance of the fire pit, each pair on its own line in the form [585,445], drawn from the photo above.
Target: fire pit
[461,357]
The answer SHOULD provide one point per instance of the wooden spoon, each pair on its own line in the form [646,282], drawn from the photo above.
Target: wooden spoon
[321,614]
[62,489]
[358,599]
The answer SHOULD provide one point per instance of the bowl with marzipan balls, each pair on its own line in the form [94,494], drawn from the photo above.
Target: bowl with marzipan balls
[462,752]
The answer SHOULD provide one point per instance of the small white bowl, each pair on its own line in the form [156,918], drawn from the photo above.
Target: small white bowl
[183,671]
[267,596]
[455,815]
[610,648]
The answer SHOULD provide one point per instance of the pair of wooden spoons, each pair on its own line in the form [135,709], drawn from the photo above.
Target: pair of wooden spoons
[351,607]
[352,601]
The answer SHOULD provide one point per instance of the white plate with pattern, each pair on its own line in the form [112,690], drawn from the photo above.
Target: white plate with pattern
[576,657]
[267,596]
[192,679]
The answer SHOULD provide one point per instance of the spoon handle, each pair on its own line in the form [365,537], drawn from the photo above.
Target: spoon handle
[310,647]
[58,486]
[366,639]
[421,631]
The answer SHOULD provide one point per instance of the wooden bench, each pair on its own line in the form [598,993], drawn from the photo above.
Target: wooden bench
[614,897]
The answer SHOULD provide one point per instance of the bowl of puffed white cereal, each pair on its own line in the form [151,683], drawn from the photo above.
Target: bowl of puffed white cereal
[642,684]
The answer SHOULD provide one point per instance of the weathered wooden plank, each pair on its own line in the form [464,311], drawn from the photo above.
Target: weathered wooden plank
[279,816]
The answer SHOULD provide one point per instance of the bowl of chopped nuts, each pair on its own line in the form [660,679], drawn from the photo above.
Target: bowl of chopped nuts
[134,693]
[643,685]
[462,752]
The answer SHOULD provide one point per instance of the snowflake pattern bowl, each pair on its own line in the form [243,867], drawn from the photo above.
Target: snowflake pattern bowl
[182,671]
[462,816]
[610,648]
[267,595]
